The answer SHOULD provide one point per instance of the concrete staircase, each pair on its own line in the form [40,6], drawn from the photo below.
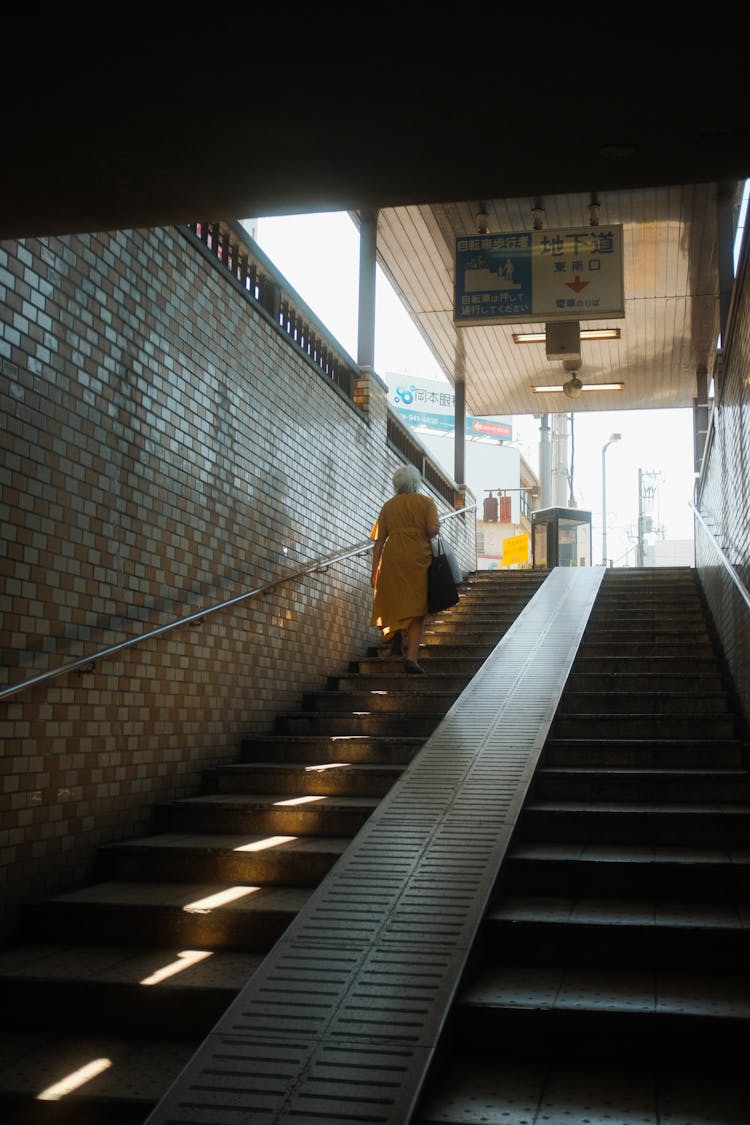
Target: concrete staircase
[610,980]
[119,982]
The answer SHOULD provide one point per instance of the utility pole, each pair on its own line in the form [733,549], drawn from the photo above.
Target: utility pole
[612,437]
[646,493]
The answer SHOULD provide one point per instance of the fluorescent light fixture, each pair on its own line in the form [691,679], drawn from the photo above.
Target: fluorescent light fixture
[558,388]
[600,334]
[586,334]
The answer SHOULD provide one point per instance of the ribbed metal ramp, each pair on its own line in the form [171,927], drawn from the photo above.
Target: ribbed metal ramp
[340,1022]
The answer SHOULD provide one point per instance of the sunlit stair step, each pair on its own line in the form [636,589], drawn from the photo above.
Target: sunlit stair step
[351,779]
[92,986]
[435,658]
[269,814]
[475,637]
[246,858]
[115,1080]
[437,654]
[500,611]
[189,915]
[396,682]
[365,722]
[431,697]
[390,750]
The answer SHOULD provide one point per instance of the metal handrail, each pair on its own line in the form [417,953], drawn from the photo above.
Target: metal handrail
[724,560]
[87,661]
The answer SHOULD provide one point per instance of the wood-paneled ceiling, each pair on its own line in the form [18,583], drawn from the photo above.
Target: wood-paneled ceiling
[428,132]
[671,284]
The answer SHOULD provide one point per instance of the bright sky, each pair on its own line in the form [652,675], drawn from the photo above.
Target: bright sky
[319,257]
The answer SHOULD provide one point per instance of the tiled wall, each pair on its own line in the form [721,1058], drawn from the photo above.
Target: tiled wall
[723,496]
[164,448]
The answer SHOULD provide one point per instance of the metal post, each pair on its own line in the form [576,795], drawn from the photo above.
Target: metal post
[605,447]
[459,437]
[545,467]
[368,233]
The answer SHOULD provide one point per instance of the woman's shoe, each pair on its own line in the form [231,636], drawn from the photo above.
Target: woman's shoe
[413,668]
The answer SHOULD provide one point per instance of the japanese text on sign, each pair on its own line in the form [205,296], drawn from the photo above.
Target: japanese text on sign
[539,275]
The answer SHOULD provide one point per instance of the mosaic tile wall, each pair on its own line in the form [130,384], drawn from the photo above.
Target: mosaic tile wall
[724,497]
[164,448]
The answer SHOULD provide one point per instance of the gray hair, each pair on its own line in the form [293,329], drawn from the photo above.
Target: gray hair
[407,479]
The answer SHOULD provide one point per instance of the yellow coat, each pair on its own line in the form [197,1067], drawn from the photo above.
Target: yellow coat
[401,581]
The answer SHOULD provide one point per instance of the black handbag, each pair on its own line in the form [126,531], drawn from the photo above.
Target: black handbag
[441,585]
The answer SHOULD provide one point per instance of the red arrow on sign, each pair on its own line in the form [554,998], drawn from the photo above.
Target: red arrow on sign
[577,285]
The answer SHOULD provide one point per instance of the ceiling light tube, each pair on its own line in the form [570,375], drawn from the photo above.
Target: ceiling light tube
[585,334]
[586,387]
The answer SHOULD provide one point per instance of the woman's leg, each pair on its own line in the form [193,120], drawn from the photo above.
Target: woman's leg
[414,638]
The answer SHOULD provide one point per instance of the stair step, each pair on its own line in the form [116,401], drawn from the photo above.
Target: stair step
[96,987]
[181,857]
[369,722]
[434,657]
[619,725]
[685,663]
[428,698]
[643,752]
[620,870]
[693,683]
[599,784]
[395,682]
[610,1015]
[133,1076]
[613,822]
[272,814]
[521,1091]
[616,630]
[474,636]
[318,750]
[655,702]
[189,915]
[631,648]
[619,932]
[360,779]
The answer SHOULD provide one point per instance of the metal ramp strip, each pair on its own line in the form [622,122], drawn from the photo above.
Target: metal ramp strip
[340,1022]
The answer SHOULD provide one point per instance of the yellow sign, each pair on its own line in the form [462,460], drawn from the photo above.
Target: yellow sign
[515,549]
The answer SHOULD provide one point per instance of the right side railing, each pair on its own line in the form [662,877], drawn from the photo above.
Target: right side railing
[722,558]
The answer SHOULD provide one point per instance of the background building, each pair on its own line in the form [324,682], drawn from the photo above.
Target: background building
[503,482]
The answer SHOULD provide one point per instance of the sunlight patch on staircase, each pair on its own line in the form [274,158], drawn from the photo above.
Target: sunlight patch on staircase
[74,1080]
[185,960]
[263,845]
[300,800]
[327,766]
[221,898]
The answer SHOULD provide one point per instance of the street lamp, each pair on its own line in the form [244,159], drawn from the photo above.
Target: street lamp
[612,437]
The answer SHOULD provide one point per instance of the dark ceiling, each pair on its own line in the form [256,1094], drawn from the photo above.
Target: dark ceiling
[429,129]
[231,125]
